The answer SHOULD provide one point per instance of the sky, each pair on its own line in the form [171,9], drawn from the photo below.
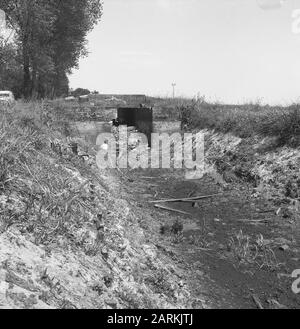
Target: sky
[231,51]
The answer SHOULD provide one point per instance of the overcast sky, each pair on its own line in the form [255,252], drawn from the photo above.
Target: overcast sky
[229,50]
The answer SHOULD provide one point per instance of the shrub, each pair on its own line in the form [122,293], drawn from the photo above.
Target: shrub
[245,120]
[283,124]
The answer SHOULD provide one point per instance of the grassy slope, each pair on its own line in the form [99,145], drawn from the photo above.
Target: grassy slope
[64,234]
[282,123]
[253,143]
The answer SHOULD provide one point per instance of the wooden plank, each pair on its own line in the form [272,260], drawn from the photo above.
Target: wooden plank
[185,199]
[257,302]
[171,209]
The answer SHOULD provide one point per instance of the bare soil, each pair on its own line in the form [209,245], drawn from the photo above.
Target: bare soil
[216,271]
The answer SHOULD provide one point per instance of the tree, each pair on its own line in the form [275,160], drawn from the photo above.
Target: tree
[51,37]
[10,68]
[69,39]
[80,92]
[32,22]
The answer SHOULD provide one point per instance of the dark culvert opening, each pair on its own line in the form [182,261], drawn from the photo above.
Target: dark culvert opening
[141,118]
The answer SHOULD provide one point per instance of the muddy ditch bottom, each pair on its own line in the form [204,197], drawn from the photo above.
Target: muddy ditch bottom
[234,251]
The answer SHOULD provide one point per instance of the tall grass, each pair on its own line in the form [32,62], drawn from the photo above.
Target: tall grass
[41,190]
[245,121]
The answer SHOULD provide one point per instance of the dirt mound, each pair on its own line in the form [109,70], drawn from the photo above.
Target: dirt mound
[270,171]
[74,243]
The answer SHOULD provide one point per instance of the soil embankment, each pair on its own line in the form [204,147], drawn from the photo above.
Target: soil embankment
[237,249]
[73,236]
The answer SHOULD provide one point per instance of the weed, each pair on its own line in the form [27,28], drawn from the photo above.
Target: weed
[249,251]
[244,121]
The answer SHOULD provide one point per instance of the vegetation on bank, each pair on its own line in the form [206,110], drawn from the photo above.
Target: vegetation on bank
[36,190]
[281,123]
[63,227]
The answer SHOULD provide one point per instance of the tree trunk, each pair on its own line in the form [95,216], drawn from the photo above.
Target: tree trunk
[34,84]
[26,70]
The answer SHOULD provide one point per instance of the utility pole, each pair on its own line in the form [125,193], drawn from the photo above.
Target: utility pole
[173,85]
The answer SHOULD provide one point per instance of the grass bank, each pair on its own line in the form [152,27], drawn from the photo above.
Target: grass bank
[68,238]
[280,123]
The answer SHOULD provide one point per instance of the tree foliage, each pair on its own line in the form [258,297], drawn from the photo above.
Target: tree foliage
[10,68]
[80,92]
[49,38]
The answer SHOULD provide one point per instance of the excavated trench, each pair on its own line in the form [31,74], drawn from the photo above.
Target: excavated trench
[235,249]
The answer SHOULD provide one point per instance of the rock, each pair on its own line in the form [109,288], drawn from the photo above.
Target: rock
[200,273]
[284,247]
[150,251]
[105,253]
[113,303]
[181,284]
[108,281]
[222,247]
